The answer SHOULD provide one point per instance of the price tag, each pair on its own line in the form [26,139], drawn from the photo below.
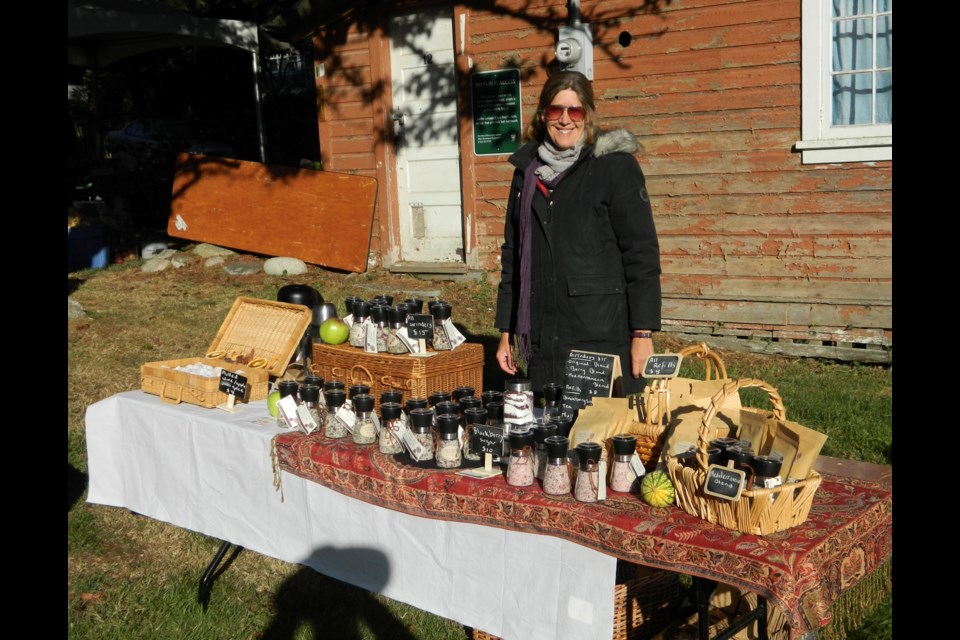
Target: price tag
[287,408]
[416,449]
[349,320]
[637,465]
[456,338]
[233,384]
[488,439]
[724,483]
[370,337]
[413,346]
[347,417]
[420,326]
[307,422]
[662,365]
[602,484]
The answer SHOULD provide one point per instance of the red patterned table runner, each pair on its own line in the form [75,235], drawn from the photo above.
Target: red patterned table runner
[847,536]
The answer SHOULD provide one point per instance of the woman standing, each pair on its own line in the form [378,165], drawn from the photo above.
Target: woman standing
[580,261]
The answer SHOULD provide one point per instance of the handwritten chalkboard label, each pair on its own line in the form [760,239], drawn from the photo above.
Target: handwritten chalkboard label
[662,365]
[587,375]
[488,439]
[420,326]
[233,384]
[724,483]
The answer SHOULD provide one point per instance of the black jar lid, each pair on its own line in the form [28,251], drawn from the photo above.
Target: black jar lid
[475,415]
[288,387]
[335,397]
[437,397]
[469,402]
[740,454]
[362,403]
[313,379]
[391,395]
[441,311]
[463,392]
[624,444]
[421,419]
[390,410]
[349,301]
[378,313]
[414,305]
[359,389]
[490,395]
[716,455]
[542,431]
[447,406]
[564,424]
[396,316]
[552,391]
[520,438]
[766,466]
[310,393]
[361,309]
[416,403]
[448,424]
[588,452]
[495,410]
[723,443]
[334,384]
[556,446]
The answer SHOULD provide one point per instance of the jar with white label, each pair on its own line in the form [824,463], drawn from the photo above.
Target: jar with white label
[364,431]
[389,428]
[287,388]
[310,399]
[334,427]
[358,331]
[421,424]
[448,442]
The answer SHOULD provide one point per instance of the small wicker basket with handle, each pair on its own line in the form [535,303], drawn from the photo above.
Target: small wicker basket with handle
[758,511]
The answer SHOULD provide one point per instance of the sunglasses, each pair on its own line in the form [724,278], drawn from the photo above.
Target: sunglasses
[555,112]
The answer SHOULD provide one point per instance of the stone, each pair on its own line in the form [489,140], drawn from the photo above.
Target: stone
[154,264]
[75,310]
[179,261]
[214,261]
[241,268]
[206,250]
[284,267]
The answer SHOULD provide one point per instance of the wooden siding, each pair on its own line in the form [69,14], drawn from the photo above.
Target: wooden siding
[755,245]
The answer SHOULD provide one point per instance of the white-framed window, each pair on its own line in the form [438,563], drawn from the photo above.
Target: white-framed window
[847,81]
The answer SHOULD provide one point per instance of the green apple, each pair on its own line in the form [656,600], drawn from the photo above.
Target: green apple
[334,331]
[272,399]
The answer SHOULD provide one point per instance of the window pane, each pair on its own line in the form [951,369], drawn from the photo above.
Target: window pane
[846,8]
[884,5]
[852,45]
[884,41]
[885,97]
[852,99]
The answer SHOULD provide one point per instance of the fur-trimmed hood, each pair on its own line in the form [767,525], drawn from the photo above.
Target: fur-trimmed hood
[614,141]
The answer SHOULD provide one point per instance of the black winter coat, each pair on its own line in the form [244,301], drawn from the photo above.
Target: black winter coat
[595,259]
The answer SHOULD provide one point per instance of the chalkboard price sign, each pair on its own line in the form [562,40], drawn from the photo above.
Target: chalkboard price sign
[488,439]
[420,326]
[662,365]
[233,384]
[724,483]
[587,375]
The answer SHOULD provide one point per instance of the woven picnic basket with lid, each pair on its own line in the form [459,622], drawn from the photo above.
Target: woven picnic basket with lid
[651,432]
[759,511]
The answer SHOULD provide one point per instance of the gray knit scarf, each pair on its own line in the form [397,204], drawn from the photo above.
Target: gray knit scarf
[549,168]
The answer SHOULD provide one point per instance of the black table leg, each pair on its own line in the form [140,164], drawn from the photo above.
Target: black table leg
[703,588]
[206,582]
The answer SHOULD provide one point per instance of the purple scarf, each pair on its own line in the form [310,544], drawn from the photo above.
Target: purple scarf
[530,181]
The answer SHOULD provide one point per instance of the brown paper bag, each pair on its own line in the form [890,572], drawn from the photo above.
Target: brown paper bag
[808,442]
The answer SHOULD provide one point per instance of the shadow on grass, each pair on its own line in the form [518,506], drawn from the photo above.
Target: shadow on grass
[76,485]
[334,609]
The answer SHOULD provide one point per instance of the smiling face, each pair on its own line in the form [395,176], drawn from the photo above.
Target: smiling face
[563,128]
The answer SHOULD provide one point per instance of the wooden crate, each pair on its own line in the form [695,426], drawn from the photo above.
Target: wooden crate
[253,329]
[417,377]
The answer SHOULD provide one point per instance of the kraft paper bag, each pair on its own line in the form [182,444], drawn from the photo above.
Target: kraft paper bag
[603,419]
[805,443]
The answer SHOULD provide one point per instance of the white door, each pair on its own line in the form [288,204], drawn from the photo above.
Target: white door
[425,123]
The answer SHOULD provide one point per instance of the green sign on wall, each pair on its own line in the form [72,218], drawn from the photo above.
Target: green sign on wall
[497,128]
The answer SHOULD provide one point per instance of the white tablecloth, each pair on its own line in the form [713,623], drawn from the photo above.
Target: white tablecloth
[209,471]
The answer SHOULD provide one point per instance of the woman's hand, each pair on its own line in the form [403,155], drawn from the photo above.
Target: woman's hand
[505,354]
[640,350]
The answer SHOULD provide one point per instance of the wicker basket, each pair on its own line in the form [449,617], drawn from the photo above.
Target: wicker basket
[416,376]
[253,329]
[645,602]
[758,511]
[650,433]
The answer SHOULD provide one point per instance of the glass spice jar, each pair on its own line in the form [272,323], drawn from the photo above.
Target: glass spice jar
[378,316]
[551,401]
[310,399]
[364,431]
[540,433]
[389,428]
[395,319]
[421,423]
[287,388]
[622,476]
[392,395]
[334,427]
[359,389]
[472,416]
[334,384]
[441,312]
[556,475]
[414,305]
[518,401]
[520,469]
[588,478]
[358,331]
[462,392]
[491,395]
[448,442]
[415,403]
[437,397]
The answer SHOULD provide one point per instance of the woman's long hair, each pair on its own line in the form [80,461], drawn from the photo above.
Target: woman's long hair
[576,82]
